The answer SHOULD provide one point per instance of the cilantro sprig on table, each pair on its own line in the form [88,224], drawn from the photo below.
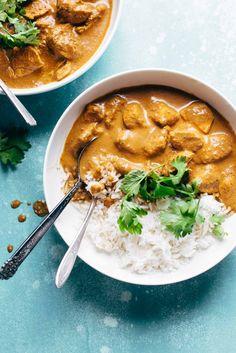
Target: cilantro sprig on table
[15,29]
[183,212]
[13,146]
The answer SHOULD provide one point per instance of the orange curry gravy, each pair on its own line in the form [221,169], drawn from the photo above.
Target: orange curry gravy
[139,127]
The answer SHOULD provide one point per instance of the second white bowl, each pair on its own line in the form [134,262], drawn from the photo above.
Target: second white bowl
[115,16]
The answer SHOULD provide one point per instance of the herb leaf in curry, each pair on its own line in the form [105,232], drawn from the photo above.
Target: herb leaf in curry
[131,182]
[129,217]
[15,29]
[152,186]
[182,214]
[217,221]
[13,147]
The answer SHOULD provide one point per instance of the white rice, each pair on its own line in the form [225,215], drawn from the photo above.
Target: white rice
[155,249]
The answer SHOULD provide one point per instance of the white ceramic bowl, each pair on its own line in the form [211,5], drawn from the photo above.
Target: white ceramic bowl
[116,11]
[70,219]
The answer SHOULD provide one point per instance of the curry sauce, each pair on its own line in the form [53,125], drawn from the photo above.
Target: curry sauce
[140,127]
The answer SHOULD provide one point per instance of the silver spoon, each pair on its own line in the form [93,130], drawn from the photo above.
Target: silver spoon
[68,261]
[18,105]
[13,263]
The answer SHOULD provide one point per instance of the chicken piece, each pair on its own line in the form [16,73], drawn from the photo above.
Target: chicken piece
[74,11]
[26,60]
[97,13]
[127,141]
[186,139]
[45,23]
[37,8]
[162,114]
[63,70]
[200,115]
[187,154]
[124,166]
[217,147]
[113,109]
[99,130]
[226,188]
[87,133]
[65,42]
[133,116]
[94,112]
[209,177]
[155,143]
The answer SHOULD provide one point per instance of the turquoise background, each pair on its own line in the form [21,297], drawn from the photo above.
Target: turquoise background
[93,313]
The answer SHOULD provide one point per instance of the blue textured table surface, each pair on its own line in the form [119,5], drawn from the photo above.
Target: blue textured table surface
[93,313]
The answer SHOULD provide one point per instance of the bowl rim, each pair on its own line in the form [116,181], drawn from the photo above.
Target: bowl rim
[114,21]
[75,102]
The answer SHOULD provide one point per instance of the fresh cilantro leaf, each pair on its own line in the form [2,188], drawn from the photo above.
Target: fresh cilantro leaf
[131,182]
[129,217]
[157,186]
[152,186]
[181,216]
[179,175]
[28,36]
[19,142]
[12,155]
[217,221]
[151,190]
[23,32]
[13,147]
[188,190]
[180,164]
[3,16]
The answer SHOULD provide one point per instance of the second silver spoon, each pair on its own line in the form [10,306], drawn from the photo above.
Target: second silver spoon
[70,256]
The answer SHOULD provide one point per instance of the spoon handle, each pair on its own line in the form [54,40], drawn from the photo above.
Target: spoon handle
[11,266]
[70,256]
[18,105]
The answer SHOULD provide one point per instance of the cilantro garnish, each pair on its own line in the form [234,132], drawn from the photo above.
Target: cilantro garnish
[131,182]
[150,187]
[183,212]
[15,29]
[181,216]
[217,221]
[129,217]
[13,147]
